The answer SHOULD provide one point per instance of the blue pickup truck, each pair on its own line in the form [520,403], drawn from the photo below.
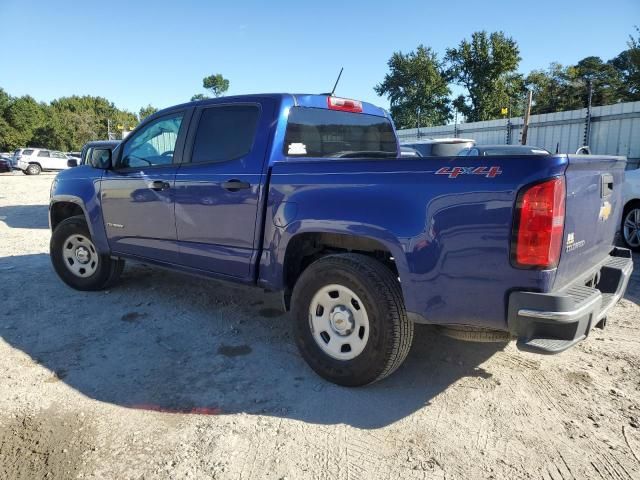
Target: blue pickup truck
[307,195]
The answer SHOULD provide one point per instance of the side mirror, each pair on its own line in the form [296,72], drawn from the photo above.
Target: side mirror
[72,162]
[101,158]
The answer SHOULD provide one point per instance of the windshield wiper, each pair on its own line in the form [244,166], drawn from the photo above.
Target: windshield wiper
[363,153]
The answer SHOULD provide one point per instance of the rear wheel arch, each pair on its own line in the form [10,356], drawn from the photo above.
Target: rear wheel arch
[305,248]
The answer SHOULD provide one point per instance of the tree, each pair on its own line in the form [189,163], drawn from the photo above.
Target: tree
[199,96]
[627,63]
[217,84]
[146,111]
[486,67]
[416,88]
[555,89]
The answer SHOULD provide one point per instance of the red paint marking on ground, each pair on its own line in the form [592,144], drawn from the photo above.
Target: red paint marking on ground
[194,410]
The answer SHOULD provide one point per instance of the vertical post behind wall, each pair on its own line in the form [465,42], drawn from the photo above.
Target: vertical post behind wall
[587,121]
[527,115]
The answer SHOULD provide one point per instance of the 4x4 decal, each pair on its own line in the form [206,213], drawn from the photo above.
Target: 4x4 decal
[454,172]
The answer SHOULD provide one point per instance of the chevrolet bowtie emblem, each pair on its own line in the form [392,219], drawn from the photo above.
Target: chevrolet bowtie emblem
[605,211]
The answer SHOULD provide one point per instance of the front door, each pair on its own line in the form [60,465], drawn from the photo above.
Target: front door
[58,161]
[137,194]
[219,186]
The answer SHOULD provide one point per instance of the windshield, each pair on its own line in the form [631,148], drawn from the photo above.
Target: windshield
[316,132]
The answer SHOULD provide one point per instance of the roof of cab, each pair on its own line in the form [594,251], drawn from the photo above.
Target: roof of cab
[298,99]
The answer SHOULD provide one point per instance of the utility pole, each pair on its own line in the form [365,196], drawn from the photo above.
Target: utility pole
[108,129]
[418,123]
[587,126]
[527,115]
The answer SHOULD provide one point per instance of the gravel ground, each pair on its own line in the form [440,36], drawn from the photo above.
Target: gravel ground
[170,376]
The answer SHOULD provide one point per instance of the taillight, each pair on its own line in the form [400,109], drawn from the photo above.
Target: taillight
[539,225]
[344,104]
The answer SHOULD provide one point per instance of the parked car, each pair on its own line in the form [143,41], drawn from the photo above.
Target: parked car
[86,155]
[440,147]
[5,165]
[409,152]
[486,150]
[630,223]
[32,161]
[305,195]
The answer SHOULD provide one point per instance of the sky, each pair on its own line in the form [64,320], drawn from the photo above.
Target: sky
[141,52]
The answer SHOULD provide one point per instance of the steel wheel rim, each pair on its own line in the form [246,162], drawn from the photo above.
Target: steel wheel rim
[80,256]
[631,227]
[339,322]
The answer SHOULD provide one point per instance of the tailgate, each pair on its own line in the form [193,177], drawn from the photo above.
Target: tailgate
[593,212]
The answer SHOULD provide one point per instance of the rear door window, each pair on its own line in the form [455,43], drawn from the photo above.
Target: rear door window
[225,133]
[43,153]
[316,132]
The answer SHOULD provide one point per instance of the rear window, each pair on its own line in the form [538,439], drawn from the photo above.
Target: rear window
[316,132]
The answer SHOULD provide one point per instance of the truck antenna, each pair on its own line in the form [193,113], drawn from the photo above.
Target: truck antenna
[336,84]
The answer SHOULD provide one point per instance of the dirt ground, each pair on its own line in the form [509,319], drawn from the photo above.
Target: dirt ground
[170,376]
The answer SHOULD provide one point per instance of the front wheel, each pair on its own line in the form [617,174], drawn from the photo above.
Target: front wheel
[350,323]
[76,259]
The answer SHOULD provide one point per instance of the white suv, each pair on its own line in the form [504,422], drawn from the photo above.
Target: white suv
[32,161]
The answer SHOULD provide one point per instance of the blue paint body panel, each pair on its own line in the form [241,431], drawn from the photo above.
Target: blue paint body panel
[450,236]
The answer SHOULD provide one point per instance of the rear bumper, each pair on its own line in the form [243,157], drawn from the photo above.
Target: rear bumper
[552,322]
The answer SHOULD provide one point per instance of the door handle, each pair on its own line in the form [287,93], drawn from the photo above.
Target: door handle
[235,185]
[159,185]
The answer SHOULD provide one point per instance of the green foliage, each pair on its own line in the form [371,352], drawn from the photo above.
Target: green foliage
[486,67]
[417,89]
[199,96]
[217,84]
[65,124]
[562,88]
[146,111]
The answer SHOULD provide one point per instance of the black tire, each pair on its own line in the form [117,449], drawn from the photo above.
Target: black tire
[25,172]
[34,169]
[634,205]
[390,331]
[108,269]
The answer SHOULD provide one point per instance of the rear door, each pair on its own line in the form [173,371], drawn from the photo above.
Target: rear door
[593,211]
[44,159]
[219,186]
[138,195]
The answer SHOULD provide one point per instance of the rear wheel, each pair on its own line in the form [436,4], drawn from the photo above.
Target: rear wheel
[34,169]
[631,226]
[350,323]
[76,259]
